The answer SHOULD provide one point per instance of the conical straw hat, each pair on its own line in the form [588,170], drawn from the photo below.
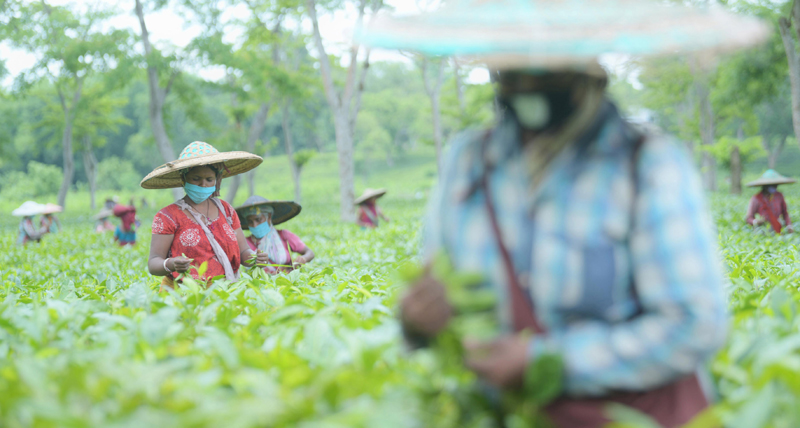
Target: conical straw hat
[195,154]
[50,208]
[507,34]
[282,211]
[104,213]
[771,177]
[369,193]
[28,208]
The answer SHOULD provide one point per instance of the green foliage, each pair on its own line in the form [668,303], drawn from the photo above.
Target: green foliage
[749,149]
[301,157]
[114,173]
[40,180]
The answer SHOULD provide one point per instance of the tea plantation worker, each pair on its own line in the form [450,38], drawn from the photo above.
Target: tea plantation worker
[27,232]
[769,204]
[102,222]
[369,214]
[125,234]
[49,223]
[595,237]
[199,228]
[260,216]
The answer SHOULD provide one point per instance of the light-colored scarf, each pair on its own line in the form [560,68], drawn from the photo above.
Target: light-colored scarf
[203,221]
[272,244]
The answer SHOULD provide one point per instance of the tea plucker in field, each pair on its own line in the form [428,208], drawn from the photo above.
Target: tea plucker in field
[369,214]
[768,204]
[594,236]
[260,216]
[199,227]
[27,231]
[102,222]
[125,233]
[49,223]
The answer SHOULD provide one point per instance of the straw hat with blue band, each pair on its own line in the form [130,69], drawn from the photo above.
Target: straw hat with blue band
[369,194]
[282,211]
[561,34]
[195,154]
[771,178]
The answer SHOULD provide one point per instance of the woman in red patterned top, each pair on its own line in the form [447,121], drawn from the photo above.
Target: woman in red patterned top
[199,229]
[768,205]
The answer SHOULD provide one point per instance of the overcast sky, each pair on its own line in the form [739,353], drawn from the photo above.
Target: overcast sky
[169,27]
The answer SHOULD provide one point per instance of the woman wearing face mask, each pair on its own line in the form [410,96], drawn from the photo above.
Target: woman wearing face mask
[768,205]
[199,228]
[260,216]
[593,236]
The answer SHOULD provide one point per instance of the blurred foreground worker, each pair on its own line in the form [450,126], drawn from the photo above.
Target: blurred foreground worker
[199,228]
[102,222]
[125,234]
[27,232]
[369,215]
[260,216]
[768,205]
[594,236]
[49,223]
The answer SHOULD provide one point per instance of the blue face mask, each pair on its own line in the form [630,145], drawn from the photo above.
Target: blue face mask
[772,189]
[198,194]
[261,230]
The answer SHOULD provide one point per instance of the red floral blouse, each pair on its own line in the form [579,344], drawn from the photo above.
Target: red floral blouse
[189,238]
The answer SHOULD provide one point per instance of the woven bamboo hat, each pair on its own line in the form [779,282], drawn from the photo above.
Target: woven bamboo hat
[27,209]
[369,194]
[50,208]
[771,177]
[195,154]
[282,211]
[550,34]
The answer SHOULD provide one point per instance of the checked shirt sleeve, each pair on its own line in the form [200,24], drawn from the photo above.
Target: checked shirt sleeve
[678,282]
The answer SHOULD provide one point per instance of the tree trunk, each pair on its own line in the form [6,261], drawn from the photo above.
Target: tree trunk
[90,166]
[287,140]
[256,128]
[794,72]
[706,132]
[69,165]
[434,90]
[736,171]
[157,97]
[341,105]
[462,104]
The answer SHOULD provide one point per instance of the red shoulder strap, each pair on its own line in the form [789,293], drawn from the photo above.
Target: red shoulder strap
[522,310]
[773,219]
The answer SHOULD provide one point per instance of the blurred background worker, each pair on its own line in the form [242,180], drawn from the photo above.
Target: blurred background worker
[768,205]
[27,232]
[49,223]
[595,236]
[369,214]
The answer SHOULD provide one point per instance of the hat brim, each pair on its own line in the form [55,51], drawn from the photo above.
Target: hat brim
[52,209]
[771,182]
[168,176]
[555,33]
[369,195]
[283,211]
[28,209]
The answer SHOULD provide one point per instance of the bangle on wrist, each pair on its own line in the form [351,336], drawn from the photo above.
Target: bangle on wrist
[165,265]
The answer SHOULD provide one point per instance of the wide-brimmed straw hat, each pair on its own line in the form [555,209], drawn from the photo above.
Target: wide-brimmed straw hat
[771,178]
[368,194]
[28,208]
[195,154]
[51,208]
[508,34]
[282,210]
[104,213]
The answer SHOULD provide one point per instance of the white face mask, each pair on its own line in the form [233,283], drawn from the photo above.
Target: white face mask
[532,110]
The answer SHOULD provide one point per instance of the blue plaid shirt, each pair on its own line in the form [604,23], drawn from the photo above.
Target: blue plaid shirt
[620,262]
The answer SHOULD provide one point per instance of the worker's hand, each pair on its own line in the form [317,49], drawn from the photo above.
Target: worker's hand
[262,258]
[758,221]
[296,263]
[789,229]
[500,362]
[179,264]
[424,309]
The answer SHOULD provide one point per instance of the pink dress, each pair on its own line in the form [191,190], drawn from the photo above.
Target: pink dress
[291,242]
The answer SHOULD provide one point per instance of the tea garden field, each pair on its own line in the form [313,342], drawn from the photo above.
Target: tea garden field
[87,339]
